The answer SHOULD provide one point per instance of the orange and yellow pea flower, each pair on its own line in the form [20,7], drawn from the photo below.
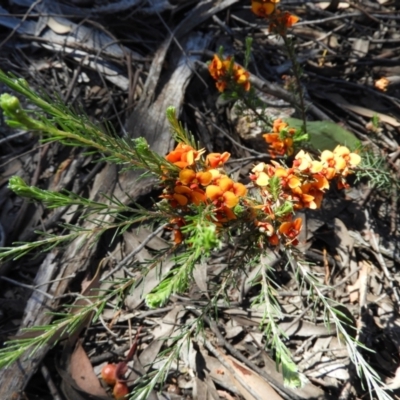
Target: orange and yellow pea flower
[291,230]
[281,21]
[184,155]
[217,160]
[219,68]
[263,8]
[225,72]
[340,159]
[177,223]
[184,195]
[241,77]
[193,179]
[280,140]
[226,192]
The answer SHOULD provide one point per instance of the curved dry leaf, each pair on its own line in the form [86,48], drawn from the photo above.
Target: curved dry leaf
[258,384]
[82,373]
[57,27]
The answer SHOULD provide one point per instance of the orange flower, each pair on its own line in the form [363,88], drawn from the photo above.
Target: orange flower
[178,222]
[178,236]
[382,84]
[320,182]
[287,177]
[224,214]
[302,161]
[281,21]
[193,179]
[241,77]
[218,68]
[184,155]
[278,125]
[221,198]
[221,86]
[227,184]
[307,196]
[217,160]
[280,139]
[263,8]
[185,195]
[226,72]
[277,146]
[226,193]
[259,175]
[291,230]
[352,159]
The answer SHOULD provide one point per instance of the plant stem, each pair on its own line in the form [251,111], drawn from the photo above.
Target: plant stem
[297,74]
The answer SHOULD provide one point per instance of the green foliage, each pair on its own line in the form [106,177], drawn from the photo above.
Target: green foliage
[266,301]
[247,54]
[375,121]
[178,132]
[201,239]
[375,168]
[326,135]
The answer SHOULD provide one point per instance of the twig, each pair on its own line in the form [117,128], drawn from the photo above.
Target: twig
[50,383]
[134,252]
[24,285]
[12,137]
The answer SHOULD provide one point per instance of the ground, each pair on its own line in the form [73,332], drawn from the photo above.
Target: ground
[123,63]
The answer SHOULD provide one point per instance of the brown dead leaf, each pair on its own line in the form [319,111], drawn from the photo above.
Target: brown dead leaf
[82,373]
[61,168]
[358,290]
[258,384]
[200,277]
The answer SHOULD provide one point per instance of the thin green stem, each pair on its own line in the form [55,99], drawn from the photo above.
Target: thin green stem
[297,75]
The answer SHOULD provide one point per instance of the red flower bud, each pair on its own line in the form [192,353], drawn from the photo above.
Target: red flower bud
[108,374]
[120,390]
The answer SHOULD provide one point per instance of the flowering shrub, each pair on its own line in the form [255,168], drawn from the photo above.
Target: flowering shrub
[200,202]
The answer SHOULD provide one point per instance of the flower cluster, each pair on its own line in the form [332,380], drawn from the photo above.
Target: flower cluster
[196,180]
[228,74]
[280,140]
[200,182]
[279,21]
[301,186]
